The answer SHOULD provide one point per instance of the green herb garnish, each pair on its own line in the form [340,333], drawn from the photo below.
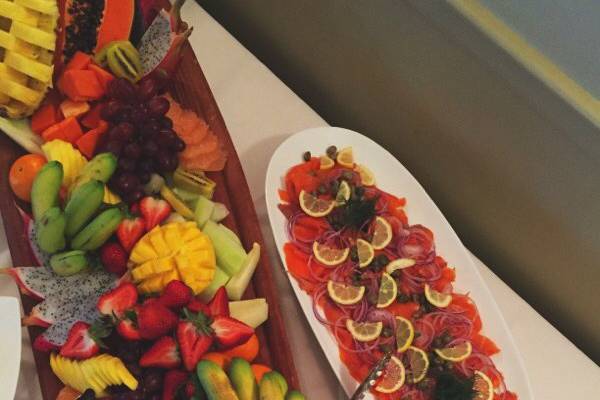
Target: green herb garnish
[450,386]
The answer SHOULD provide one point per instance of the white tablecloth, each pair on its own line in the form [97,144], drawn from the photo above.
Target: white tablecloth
[260,112]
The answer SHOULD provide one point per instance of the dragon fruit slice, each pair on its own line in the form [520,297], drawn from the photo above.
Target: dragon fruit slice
[40,256]
[160,47]
[65,300]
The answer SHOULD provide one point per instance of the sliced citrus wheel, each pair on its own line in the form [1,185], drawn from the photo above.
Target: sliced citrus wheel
[343,193]
[436,298]
[345,157]
[367,178]
[326,162]
[388,290]
[418,364]
[345,294]
[405,333]
[483,387]
[365,252]
[314,206]
[364,331]
[329,255]
[399,263]
[393,376]
[455,353]
[382,233]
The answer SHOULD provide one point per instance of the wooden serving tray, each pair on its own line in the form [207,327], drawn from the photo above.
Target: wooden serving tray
[192,90]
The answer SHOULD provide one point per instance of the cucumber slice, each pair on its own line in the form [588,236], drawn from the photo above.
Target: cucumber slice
[219,213]
[251,312]
[220,279]
[230,255]
[203,211]
[238,283]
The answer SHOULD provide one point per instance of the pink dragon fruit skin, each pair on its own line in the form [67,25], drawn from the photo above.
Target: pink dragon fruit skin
[160,47]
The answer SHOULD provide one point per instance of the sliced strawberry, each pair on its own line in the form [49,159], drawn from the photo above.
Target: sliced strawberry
[127,327]
[162,354]
[176,295]
[114,258]
[172,384]
[130,230]
[154,211]
[219,304]
[44,346]
[195,338]
[118,300]
[155,320]
[197,306]
[230,332]
[84,340]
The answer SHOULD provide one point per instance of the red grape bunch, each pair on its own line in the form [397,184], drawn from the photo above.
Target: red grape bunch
[139,134]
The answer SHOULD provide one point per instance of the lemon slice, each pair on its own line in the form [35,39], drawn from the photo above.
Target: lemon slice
[326,162]
[399,263]
[436,298]
[365,252]
[382,233]
[345,157]
[314,206]
[345,294]
[405,333]
[455,353]
[418,364]
[393,377]
[367,178]
[364,331]
[483,387]
[343,193]
[329,255]
[388,290]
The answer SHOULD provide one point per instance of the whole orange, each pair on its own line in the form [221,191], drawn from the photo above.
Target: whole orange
[23,172]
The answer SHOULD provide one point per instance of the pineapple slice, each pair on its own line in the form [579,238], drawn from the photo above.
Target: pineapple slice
[71,159]
[96,373]
[177,250]
[26,55]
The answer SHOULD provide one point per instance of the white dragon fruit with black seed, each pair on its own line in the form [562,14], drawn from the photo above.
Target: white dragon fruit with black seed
[41,257]
[161,44]
[65,300]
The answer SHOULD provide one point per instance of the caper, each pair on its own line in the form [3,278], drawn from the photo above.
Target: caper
[385,348]
[348,175]
[331,152]
[306,156]
[387,332]
[402,297]
[382,259]
[359,190]
[335,187]
[322,189]
[354,253]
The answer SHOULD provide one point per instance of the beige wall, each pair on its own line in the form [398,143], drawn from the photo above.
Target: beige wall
[514,170]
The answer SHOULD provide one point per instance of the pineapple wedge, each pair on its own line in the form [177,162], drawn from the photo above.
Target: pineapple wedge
[26,59]
[71,159]
[177,250]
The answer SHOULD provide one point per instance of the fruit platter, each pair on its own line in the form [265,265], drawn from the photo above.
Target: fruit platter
[379,274]
[130,224]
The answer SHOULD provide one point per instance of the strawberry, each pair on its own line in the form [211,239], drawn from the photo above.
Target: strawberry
[176,295]
[163,354]
[84,340]
[173,382]
[230,332]
[195,338]
[114,258]
[130,230]
[44,346]
[155,320]
[116,301]
[219,304]
[197,306]
[154,211]
[127,327]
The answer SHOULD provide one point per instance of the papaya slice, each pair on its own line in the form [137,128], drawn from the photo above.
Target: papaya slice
[116,23]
